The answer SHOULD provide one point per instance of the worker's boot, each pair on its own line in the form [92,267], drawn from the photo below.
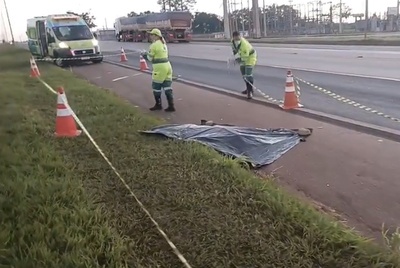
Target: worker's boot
[250,88]
[244,92]
[158,105]
[249,92]
[170,99]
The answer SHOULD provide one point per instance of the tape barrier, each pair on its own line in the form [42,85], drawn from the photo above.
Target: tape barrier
[119,176]
[90,56]
[348,101]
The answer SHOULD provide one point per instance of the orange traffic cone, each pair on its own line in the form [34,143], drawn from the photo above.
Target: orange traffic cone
[291,100]
[123,55]
[65,122]
[34,69]
[143,64]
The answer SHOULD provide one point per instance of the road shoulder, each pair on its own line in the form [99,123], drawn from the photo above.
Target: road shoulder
[351,172]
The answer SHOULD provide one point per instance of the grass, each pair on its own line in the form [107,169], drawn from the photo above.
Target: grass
[62,206]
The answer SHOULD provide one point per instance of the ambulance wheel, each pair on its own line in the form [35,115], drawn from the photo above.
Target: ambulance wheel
[97,61]
[59,62]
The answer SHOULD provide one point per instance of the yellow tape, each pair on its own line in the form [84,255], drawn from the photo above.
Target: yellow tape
[163,234]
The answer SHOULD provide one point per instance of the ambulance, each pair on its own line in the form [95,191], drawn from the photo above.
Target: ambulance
[64,38]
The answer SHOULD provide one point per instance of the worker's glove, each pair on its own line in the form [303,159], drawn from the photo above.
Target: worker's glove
[144,55]
[238,60]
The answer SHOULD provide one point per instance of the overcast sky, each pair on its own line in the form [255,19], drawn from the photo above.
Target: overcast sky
[21,10]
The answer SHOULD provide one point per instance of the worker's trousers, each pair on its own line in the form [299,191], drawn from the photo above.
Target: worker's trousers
[247,74]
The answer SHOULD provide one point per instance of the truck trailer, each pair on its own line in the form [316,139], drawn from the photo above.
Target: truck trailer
[175,26]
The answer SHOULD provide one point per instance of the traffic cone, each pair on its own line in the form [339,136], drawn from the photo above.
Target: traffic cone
[34,68]
[123,55]
[143,64]
[65,122]
[291,100]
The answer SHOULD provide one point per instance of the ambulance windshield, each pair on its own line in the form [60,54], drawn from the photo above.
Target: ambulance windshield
[72,33]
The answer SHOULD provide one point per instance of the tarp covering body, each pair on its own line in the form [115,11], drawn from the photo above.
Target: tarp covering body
[257,146]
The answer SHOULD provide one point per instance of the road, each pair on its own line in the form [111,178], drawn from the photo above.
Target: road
[373,95]
[353,60]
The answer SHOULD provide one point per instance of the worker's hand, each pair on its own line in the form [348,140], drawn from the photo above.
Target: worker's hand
[144,54]
[238,60]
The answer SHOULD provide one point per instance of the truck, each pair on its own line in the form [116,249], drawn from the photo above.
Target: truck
[174,25]
[65,38]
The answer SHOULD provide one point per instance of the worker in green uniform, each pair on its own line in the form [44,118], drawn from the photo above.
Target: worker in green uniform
[162,71]
[246,56]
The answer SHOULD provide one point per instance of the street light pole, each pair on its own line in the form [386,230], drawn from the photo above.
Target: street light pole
[340,17]
[4,29]
[366,19]
[9,22]
[227,30]
[397,16]
[265,19]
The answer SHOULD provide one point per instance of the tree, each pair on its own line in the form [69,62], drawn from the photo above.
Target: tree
[86,16]
[346,10]
[176,5]
[134,14]
[206,23]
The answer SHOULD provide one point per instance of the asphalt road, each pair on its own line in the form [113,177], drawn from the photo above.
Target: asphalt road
[352,60]
[375,94]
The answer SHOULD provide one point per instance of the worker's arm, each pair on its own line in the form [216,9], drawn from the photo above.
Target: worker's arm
[234,49]
[150,55]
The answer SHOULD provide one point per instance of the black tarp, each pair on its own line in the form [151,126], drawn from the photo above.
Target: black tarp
[257,146]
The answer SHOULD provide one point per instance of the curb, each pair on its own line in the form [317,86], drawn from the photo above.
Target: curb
[382,132]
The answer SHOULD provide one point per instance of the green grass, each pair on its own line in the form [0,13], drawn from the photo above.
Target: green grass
[62,206]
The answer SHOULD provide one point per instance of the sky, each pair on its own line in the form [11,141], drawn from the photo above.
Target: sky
[107,12]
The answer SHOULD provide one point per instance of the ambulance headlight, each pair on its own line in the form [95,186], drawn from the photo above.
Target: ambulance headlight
[95,43]
[63,45]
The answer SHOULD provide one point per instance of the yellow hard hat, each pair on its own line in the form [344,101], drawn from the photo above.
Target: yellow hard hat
[156,32]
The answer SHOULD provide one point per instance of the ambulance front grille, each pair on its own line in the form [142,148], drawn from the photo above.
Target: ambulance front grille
[84,52]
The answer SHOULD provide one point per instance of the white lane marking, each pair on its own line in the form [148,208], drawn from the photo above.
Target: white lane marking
[137,74]
[120,78]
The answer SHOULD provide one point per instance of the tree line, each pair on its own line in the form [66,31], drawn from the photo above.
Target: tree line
[278,18]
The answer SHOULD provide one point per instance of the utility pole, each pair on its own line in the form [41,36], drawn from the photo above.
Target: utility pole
[234,17]
[9,22]
[5,35]
[397,16]
[256,20]
[291,16]
[340,17]
[227,30]
[250,30]
[242,15]
[265,19]
[366,19]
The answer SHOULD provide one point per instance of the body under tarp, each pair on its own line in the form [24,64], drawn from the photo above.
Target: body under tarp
[257,146]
